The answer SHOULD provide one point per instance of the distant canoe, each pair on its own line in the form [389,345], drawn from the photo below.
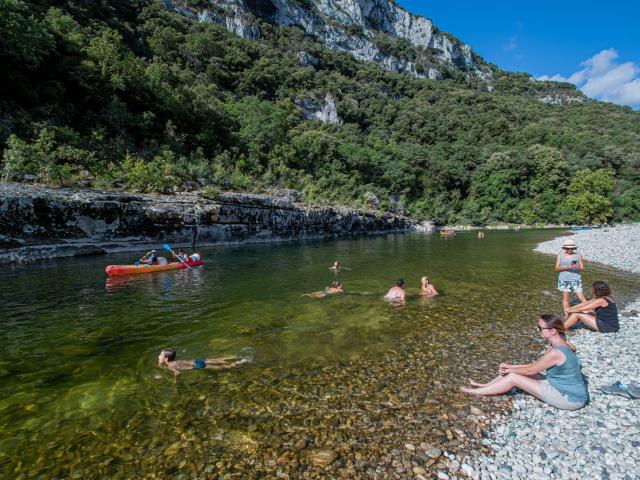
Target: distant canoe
[576,229]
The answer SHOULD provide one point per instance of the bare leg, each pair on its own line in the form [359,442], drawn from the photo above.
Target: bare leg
[221,360]
[581,297]
[536,376]
[587,319]
[227,366]
[565,300]
[506,383]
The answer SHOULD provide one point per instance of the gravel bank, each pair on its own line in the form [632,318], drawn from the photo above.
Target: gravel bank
[602,440]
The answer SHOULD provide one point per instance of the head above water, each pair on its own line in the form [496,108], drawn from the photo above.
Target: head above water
[336,264]
[400,283]
[424,280]
[337,284]
[168,354]
[600,289]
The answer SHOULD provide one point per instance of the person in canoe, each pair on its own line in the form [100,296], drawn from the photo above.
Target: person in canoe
[150,258]
[334,289]
[167,359]
[396,294]
[428,289]
[181,256]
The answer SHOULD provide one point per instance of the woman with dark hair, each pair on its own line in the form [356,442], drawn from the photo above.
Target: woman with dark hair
[563,387]
[599,314]
[396,294]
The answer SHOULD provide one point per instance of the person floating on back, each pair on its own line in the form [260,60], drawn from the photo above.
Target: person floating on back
[334,289]
[335,267]
[599,314]
[570,264]
[396,294]
[428,289]
[167,359]
[563,387]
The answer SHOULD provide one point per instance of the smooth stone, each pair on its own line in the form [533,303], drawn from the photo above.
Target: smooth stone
[322,457]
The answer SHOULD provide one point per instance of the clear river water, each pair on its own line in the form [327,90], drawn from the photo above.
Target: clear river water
[81,395]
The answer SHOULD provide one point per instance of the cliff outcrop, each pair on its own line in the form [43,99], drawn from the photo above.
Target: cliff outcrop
[362,28]
[38,222]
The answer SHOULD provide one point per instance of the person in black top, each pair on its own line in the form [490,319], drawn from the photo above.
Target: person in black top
[150,259]
[599,314]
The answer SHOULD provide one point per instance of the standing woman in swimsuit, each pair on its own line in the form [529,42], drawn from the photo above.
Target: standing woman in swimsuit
[570,264]
[599,314]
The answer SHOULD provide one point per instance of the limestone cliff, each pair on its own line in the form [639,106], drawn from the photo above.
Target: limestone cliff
[38,222]
[353,26]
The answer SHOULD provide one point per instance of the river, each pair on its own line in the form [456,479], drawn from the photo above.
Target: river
[81,396]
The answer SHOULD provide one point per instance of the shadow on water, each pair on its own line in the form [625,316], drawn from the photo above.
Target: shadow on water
[79,393]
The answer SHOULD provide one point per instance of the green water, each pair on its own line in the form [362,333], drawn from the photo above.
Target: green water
[79,397]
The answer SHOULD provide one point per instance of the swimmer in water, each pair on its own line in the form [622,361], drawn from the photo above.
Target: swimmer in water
[397,293]
[334,289]
[428,289]
[336,267]
[167,359]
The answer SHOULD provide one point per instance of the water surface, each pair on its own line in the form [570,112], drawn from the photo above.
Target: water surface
[79,395]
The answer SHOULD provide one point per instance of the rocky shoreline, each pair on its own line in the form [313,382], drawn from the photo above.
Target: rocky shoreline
[601,440]
[39,222]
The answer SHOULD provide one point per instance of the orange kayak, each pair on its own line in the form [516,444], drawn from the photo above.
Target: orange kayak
[135,269]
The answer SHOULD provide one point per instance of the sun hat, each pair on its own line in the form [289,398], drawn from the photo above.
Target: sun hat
[569,244]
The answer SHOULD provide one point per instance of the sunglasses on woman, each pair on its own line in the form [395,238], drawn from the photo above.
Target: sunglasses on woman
[544,328]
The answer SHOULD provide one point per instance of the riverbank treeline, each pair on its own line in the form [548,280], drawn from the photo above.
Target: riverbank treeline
[125,93]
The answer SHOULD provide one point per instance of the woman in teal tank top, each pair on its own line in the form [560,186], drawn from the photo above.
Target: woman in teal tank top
[563,387]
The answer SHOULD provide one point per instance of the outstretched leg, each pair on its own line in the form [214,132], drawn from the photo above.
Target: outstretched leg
[587,319]
[506,383]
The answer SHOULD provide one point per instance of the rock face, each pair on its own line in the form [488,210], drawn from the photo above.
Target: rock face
[40,222]
[352,26]
[326,111]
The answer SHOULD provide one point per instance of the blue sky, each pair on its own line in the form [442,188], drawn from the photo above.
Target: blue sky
[595,45]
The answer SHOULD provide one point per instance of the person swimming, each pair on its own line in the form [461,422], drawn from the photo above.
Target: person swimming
[167,359]
[428,289]
[397,293]
[334,289]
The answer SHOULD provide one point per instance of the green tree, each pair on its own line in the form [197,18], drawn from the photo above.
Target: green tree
[588,196]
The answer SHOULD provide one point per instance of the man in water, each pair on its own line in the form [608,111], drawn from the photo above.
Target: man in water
[397,293]
[167,359]
[335,288]
[428,289]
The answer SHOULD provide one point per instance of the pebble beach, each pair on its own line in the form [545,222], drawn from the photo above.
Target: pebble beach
[602,440]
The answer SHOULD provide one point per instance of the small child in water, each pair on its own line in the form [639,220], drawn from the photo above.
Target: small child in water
[167,358]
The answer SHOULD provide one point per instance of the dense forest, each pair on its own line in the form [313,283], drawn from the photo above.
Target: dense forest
[126,95]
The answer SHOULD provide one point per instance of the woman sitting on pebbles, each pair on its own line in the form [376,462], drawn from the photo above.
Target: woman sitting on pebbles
[599,314]
[563,387]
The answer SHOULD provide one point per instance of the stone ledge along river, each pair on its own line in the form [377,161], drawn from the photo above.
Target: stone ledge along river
[341,387]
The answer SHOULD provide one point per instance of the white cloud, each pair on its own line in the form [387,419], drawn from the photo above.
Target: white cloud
[601,77]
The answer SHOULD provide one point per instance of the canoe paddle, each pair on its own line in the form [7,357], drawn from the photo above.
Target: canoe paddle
[168,248]
[145,256]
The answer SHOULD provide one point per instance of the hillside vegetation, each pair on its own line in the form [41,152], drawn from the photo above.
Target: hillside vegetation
[124,93]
